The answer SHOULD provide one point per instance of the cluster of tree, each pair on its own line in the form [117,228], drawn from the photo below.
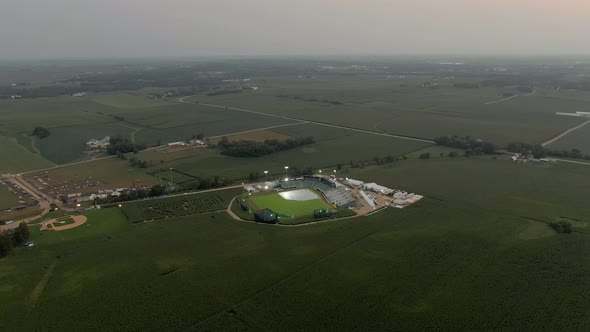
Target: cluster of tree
[259,149]
[561,226]
[10,239]
[471,145]
[131,195]
[464,85]
[120,145]
[539,151]
[536,151]
[205,183]
[425,155]
[139,163]
[41,132]
[313,100]
[224,92]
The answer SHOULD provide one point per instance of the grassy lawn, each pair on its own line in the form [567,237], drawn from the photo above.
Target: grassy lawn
[288,208]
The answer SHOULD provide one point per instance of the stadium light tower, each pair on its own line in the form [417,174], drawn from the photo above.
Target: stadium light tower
[266,175]
[287,172]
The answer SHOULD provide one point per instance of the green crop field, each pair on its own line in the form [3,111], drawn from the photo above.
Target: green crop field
[398,106]
[457,260]
[579,139]
[284,207]
[67,144]
[478,253]
[7,199]
[178,206]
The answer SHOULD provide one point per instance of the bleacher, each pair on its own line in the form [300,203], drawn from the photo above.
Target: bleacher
[338,196]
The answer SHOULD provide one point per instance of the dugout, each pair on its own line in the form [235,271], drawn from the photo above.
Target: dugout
[266,216]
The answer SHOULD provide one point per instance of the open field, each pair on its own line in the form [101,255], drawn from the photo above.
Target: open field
[398,106]
[257,136]
[579,139]
[419,268]
[66,144]
[476,254]
[333,146]
[7,199]
[285,207]
[21,159]
[165,208]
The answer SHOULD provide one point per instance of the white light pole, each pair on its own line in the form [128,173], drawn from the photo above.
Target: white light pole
[266,175]
[286,172]
[171,182]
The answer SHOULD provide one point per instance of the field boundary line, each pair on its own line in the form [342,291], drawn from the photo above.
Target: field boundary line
[182,100]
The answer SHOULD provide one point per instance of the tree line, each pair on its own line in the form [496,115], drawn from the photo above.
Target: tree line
[41,132]
[15,238]
[119,145]
[471,145]
[538,151]
[259,149]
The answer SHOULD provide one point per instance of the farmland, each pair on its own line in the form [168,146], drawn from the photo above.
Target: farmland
[412,269]
[396,105]
[179,206]
[477,253]
[579,139]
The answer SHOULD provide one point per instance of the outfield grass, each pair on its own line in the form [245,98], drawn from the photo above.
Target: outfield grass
[295,209]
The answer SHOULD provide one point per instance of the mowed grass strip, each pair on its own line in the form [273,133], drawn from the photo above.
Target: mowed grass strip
[286,207]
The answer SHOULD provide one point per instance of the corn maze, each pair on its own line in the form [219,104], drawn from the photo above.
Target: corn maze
[173,207]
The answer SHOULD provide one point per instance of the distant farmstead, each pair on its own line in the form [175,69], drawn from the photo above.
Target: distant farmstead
[99,144]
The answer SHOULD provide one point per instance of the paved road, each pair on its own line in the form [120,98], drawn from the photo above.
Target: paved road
[565,133]
[182,100]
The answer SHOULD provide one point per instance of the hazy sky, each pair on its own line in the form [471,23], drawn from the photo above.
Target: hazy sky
[106,28]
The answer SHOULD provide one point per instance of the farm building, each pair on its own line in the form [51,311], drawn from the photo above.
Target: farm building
[266,216]
[176,144]
[99,143]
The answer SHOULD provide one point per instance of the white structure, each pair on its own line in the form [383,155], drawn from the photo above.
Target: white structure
[354,183]
[378,189]
[568,114]
[176,144]
[99,144]
[367,199]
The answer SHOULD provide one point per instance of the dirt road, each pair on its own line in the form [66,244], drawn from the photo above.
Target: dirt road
[553,140]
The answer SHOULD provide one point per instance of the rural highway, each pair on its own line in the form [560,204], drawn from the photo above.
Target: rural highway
[182,100]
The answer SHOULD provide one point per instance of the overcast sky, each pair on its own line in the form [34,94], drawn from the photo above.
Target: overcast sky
[122,28]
